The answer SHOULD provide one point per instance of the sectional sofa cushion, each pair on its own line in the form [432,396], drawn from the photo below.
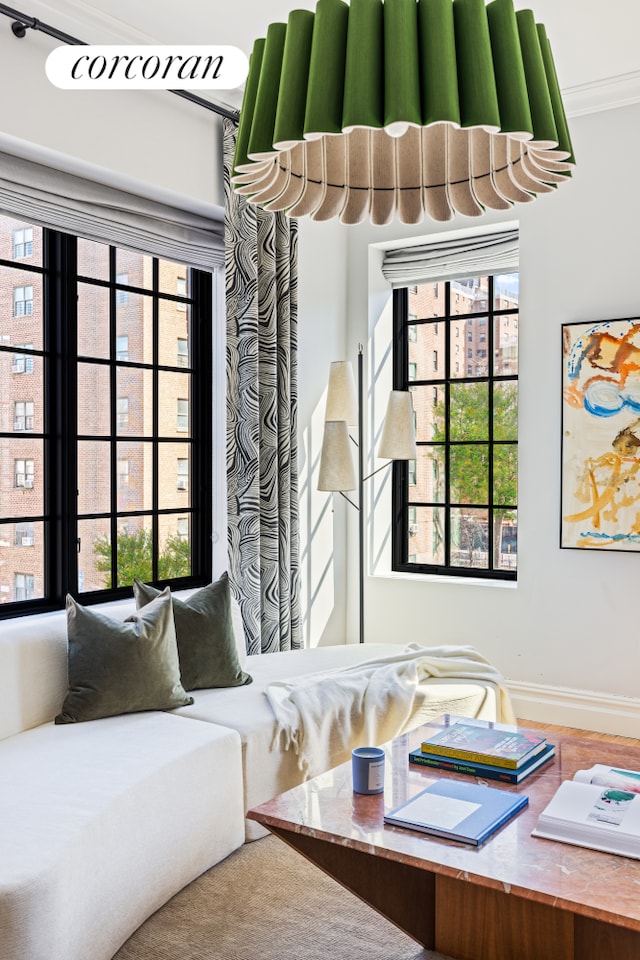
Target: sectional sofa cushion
[205,633]
[268,769]
[101,823]
[121,667]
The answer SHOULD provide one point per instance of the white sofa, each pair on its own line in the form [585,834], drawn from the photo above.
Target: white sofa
[102,822]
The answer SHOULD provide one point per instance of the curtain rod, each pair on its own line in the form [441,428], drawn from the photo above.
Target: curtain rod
[22,21]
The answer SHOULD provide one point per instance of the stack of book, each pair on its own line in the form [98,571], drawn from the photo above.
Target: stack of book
[482,748]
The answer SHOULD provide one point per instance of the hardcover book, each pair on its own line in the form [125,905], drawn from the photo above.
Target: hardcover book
[599,808]
[456,810]
[483,741]
[484,770]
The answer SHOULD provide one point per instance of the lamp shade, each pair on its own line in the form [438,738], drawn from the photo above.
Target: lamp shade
[398,440]
[336,463]
[407,108]
[342,400]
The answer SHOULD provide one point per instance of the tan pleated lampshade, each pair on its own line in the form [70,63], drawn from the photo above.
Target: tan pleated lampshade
[342,400]
[398,441]
[336,462]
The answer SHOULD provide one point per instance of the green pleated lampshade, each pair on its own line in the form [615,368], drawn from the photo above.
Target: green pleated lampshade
[412,108]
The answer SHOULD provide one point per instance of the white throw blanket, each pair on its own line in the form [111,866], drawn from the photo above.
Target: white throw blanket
[321,716]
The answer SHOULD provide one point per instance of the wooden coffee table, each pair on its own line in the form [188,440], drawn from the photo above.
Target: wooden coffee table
[516,897]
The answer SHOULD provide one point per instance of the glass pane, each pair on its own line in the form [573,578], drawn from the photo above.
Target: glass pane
[93,259]
[426,535]
[427,352]
[94,555]
[459,365]
[427,300]
[175,546]
[134,550]
[174,412]
[174,334]
[428,405]
[22,478]
[93,321]
[134,402]
[134,320]
[473,354]
[506,291]
[93,400]
[134,269]
[20,241]
[469,296]
[469,546]
[134,476]
[21,297]
[21,561]
[173,278]
[430,486]
[505,540]
[505,410]
[505,475]
[469,411]
[94,477]
[505,345]
[469,480]
[174,475]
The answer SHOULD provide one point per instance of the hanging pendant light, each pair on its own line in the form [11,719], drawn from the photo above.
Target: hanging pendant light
[411,108]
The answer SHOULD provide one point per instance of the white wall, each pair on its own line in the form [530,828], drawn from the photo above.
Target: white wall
[568,622]
[153,138]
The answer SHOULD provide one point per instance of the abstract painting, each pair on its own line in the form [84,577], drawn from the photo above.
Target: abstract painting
[601,435]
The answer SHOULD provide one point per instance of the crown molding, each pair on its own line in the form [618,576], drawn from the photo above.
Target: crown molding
[606,94]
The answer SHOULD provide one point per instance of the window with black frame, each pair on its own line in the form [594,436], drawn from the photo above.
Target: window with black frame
[456,349]
[105,398]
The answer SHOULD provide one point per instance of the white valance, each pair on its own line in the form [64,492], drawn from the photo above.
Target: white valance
[449,259]
[43,195]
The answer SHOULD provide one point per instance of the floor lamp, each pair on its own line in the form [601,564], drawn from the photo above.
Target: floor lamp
[345,409]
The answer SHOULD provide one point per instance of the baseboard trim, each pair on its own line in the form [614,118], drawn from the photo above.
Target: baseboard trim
[584,709]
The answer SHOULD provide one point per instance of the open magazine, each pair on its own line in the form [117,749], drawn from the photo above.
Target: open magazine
[599,808]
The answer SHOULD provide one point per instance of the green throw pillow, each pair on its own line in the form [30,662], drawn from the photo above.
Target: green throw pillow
[206,644]
[121,667]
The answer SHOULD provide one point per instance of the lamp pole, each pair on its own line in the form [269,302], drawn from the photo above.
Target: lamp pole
[361,489]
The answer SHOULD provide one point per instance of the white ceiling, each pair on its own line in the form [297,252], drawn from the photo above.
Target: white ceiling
[595,43]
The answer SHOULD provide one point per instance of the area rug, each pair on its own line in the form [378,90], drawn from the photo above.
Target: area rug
[266,902]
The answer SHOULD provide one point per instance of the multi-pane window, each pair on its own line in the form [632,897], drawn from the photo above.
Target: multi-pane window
[183,352]
[183,528]
[22,363]
[122,475]
[122,296]
[183,474]
[24,584]
[23,473]
[22,243]
[90,448]
[457,502]
[122,348]
[181,290]
[182,418]
[22,301]
[122,412]
[23,415]
[24,535]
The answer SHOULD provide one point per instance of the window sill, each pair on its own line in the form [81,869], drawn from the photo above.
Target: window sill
[439,579]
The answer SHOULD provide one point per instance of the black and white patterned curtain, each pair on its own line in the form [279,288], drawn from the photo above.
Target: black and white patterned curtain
[262,463]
